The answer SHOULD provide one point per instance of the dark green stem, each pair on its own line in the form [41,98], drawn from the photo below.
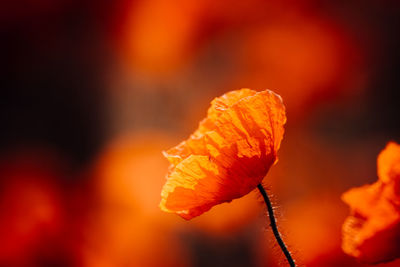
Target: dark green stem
[275,227]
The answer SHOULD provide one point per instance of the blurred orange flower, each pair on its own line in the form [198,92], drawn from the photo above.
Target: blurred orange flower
[31,207]
[124,226]
[372,231]
[227,156]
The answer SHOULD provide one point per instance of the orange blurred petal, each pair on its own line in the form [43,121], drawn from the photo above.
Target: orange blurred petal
[372,231]
[228,155]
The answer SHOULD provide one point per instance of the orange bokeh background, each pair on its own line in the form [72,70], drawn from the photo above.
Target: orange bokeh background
[94,91]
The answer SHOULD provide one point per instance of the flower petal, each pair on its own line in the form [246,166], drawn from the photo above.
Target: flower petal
[228,155]
[372,231]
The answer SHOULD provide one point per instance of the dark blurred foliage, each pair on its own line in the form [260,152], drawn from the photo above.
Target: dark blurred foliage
[53,60]
[374,25]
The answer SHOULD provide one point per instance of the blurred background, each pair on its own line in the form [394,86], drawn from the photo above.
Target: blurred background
[93,91]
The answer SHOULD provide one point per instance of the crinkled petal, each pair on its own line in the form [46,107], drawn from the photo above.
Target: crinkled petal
[234,148]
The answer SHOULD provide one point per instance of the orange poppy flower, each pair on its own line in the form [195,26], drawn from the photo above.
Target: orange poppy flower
[227,156]
[372,231]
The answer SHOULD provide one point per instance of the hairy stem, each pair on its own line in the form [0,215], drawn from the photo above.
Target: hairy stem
[275,227]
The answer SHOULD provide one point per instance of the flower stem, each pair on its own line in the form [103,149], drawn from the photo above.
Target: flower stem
[274,226]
